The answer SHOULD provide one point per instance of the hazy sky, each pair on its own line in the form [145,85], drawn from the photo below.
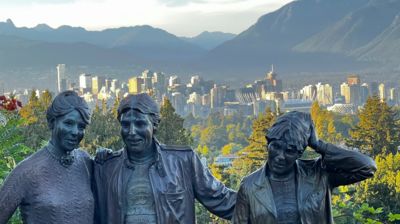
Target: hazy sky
[180,17]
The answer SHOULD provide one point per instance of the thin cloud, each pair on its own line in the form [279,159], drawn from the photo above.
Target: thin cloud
[189,19]
[176,3]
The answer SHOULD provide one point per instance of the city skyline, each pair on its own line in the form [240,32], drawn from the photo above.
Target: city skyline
[175,16]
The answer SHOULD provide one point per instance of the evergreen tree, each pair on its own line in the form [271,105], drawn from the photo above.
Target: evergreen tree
[103,131]
[254,155]
[170,131]
[377,130]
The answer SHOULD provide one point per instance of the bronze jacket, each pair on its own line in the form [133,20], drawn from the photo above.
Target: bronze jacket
[177,178]
[315,180]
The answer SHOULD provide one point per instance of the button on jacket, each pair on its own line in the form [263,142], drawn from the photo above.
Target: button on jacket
[315,180]
[177,178]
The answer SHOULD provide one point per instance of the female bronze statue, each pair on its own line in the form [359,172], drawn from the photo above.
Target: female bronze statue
[54,184]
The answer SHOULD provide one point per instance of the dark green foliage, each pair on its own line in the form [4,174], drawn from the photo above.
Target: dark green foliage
[103,131]
[170,131]
[377,130]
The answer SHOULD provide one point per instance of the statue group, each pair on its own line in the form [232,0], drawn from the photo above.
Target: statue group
[149,182]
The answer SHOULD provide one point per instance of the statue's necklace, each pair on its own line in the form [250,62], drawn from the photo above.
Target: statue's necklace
[65,160]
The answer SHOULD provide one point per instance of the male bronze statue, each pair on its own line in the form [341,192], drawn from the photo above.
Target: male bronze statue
[53,185]
[289,190]
[148,182]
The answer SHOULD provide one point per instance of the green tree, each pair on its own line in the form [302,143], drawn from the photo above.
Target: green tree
[103,130]
[12,151]
[383,190]
[325,124]
[170,131]
[377,130]
[254,155]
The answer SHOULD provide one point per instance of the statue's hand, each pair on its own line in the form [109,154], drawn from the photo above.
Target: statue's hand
[102,154]
[313,141]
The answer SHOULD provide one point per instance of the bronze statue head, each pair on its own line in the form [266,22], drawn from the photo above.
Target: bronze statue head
[287,139]
[67,117]
[142,103]
[139,116]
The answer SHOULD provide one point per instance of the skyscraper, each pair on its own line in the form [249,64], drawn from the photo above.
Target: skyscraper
[174,80]
[345,92]
[97,83]
[85,82]
[61,79]
[364,93]
[271,83]
[353,80]
[324,94]
[382,92]
[135,85]
[309,92]
[217,96]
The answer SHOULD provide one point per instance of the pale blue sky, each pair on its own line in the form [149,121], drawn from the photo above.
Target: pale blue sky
[180,17]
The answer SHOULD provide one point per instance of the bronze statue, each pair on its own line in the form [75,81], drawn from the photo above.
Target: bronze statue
[148,182]
[54,184]
[291,190]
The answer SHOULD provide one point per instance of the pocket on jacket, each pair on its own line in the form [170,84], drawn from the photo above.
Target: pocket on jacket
[175,202]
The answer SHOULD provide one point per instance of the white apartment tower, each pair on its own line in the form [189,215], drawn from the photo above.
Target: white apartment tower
[61,79]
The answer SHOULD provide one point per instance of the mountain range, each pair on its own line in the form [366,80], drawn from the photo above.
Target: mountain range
[301,36]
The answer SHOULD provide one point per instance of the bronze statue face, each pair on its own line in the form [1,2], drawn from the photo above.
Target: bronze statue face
[281,157]
[68,131]
[137,132]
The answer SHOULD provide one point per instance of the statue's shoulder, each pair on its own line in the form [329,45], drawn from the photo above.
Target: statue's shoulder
[176,147]
[104,155]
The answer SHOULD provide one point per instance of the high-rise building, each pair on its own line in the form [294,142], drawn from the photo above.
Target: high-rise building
[206,100]
[394,95]
[373,89]
[345,92]
[382,91]
[178,102]
[217,96]
[353,80]
[114,85]
[61,78]
[134,85]
[97,83]
[271,83]
[159,84]
[324,94]
[364,93]
[174,80]
[107,85]
[147,77]
[85,82]
[195,80]
[309,92]
[355,94]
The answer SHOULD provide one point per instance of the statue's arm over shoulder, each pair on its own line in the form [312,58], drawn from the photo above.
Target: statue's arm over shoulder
[345,166]
[242,208]
[102,159]
[210,192]
[12,193]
